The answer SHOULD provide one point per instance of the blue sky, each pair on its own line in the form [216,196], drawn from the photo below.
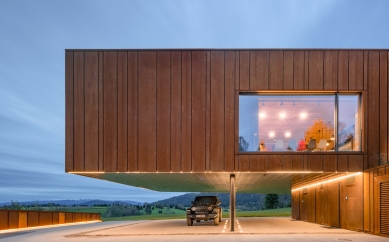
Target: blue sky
[34,35]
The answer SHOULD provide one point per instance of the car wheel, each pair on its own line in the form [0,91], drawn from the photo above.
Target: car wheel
[189,221]
[216,221]
[220,215]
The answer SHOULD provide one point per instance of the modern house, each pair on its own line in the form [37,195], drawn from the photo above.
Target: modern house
[310,122]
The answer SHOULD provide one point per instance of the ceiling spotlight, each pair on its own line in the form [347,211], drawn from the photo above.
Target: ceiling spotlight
[287,134]
[303,115]
[282,115]
[271,134]
[262,115]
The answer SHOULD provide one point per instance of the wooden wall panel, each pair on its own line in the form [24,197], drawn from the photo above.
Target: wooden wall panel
[355,70]
[22,219]
[68,217]
[110,112]
[373,108]
[199,61]
[299,70]
[45,219]
[342,163]
[217,111]
[101,111]
[69,109]
[4,220]
[383,102]
[176,106]
[55,218]
[355,163]
[330,70]
[298,162]
[91,111]
[275,162]
[147,111]
[315,163]
[208,114]
[287,164]
[244,70]
[186,111]
[79,112]
[132,111]
[13,219]
[276,69]
[315,70]
[122,115]
[330,163]
[230,69]
[163,111]
[288,70]
[259,70]
[343,70]
[259,163]
[32,219]
[244,163]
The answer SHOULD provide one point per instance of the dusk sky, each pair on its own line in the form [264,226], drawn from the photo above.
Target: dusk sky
[35,34]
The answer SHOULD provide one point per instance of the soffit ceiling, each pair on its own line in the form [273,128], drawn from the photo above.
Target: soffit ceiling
[246,182]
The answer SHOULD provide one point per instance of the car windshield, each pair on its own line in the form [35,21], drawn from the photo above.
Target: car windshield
[205,200]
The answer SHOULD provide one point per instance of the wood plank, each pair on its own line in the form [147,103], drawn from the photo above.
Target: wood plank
[69,109]
[122,103]
[199,78]
[373,108]
[186,109]
[306,162]
[259,70]
[244,163]
[355,70]
[244,70]
[79,112]
[275,162]
[91,111]
[163,111]
[315,70]
[176,105]
[371,201]
[276,68]
[287,163]
[383,102]
[101,111]
[132,110]
[229,109]
[355,163]
[342,163]
[298,162]
[315,163]
[366,202]
[343,70]
[259,163]
[298,70]
[218,109]
[110,111]
[147,98]
[208,116]
[306,70]
[330,70]
[330,163]
[288,70]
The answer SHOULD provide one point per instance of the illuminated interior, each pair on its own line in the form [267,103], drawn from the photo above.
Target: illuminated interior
[299,123]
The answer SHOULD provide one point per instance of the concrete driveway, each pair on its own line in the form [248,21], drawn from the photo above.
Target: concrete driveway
[247,229]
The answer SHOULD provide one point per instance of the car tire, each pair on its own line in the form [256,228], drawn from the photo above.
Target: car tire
[216,221]
[220,215]
[189,221]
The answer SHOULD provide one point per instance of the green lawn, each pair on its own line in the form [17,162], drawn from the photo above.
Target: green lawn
[179,214]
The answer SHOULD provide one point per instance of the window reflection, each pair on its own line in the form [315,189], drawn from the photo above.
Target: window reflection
[297,123]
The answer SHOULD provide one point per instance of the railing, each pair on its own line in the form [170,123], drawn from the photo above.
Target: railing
[15,219]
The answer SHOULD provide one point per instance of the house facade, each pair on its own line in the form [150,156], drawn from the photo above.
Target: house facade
[310,122]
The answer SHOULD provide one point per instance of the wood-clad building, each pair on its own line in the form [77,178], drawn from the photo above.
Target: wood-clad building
[168,120]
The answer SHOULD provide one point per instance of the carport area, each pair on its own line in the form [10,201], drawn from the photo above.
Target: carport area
[247,229]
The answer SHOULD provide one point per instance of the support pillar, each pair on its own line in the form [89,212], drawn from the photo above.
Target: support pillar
[232,201]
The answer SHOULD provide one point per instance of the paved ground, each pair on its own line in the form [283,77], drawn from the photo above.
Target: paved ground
[247,229]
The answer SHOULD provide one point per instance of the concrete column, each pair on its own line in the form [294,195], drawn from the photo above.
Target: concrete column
[232,201]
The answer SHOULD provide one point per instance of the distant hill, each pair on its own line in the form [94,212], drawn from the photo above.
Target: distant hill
[80,202]
[241,199]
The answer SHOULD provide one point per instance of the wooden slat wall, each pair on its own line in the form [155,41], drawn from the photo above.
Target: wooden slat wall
[371,197]
[174,110]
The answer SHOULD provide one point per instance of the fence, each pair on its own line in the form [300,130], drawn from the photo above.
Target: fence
[14,219]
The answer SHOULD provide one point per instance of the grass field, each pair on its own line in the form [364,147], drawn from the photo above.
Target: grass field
[178,214]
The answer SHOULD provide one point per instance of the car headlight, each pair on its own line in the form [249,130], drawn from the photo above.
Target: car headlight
[210,208]
[193,209]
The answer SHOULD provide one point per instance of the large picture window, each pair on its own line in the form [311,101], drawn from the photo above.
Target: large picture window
[299,123]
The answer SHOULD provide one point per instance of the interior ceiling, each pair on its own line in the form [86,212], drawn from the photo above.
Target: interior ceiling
[246,182]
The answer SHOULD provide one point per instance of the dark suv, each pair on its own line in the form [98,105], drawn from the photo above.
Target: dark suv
[204,208]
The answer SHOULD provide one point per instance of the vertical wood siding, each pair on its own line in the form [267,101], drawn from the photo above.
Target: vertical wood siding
[177,110]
